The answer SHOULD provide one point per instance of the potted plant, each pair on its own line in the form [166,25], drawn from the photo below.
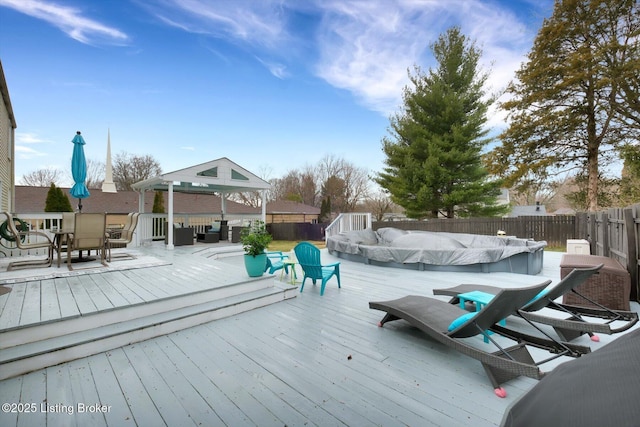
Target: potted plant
[255,240]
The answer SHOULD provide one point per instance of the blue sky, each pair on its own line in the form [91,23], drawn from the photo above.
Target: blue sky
[273,85]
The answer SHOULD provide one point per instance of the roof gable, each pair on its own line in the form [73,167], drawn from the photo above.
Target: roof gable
[220,175]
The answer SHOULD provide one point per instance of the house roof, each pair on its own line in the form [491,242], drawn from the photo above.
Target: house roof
[289,207]
[4,90]
[220,175]
[531,210]
[32,200]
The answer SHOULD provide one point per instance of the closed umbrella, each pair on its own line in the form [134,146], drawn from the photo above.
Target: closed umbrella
[79,170]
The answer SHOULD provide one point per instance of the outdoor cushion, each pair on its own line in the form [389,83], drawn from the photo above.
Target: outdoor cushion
[460,320]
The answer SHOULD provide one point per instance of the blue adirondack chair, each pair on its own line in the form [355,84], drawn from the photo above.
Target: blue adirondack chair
[275,262]
[309,259]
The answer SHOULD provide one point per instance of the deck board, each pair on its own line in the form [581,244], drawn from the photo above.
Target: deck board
[82,297]
[68,306]
[49,305]
[140,403]
[156,386]
[30,312]
[109,390]
[310,360]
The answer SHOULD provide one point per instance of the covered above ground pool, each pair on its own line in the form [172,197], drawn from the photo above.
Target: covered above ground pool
[426,250]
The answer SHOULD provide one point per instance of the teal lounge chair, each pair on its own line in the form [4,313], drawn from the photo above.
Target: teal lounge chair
[309,259]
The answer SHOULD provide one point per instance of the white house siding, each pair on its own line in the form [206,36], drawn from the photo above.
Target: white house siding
[7,151]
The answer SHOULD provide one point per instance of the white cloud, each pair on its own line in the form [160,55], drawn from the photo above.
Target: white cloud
[25,153]
[29,138]
[26,144]
[367,47]
[68,19]
[362,46]
[254,22]
[277,69]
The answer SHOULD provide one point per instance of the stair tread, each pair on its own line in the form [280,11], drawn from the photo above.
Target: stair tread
[76,338]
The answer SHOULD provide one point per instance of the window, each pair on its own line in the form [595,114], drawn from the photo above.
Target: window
[213,172]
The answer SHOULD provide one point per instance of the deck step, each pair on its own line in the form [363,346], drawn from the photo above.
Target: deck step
[57,342]
[18,335]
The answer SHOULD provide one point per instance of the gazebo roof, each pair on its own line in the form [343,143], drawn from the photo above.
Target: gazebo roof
[216,176]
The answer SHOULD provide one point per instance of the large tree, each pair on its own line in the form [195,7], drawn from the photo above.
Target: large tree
[342,182]
[434,163]
[42,178]
[574,98]
[129,169]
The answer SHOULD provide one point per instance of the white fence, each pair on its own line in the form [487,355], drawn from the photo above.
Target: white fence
[150,227]
[347,222]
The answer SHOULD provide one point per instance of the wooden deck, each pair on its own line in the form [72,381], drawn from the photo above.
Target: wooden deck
[308,360]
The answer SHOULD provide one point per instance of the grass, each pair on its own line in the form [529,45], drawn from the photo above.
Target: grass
[286,245]
[555,248]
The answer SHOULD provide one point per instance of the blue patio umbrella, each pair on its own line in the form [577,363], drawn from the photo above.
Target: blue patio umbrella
[79,170]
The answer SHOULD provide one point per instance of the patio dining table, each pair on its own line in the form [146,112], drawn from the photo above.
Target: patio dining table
[62,236]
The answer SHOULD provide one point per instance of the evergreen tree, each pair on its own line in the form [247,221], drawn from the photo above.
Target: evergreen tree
[575,98]
[325,209]
[57,200]
[630,183]
[158,202]
[434,163]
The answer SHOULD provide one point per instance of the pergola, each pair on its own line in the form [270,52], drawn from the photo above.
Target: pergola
[220,176]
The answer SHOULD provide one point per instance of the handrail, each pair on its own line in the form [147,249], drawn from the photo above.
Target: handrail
[348,222]
[150,226]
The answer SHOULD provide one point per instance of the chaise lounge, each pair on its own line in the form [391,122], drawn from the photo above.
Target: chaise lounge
[448,324]
[569,328]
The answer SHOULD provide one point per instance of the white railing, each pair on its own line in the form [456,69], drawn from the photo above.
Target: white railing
[348,222]
[153,226]
[36,222]
[150,227]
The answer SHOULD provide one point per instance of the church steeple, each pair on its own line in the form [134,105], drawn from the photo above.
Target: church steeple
[107,185]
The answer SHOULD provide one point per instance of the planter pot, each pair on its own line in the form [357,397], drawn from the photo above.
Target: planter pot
[255,265]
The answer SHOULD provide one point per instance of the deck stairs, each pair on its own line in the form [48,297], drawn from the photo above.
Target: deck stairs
[27,348]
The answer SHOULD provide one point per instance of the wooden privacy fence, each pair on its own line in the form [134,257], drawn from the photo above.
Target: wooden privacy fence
[293,231]
[555,230]
[615,233]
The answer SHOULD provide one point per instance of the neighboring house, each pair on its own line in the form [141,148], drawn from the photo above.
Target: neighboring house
[530,210]
[565,211]
[7,148]
[32,200]
[288,211]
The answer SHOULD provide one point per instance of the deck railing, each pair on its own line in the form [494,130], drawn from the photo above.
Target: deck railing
[348,222]
[150,227]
